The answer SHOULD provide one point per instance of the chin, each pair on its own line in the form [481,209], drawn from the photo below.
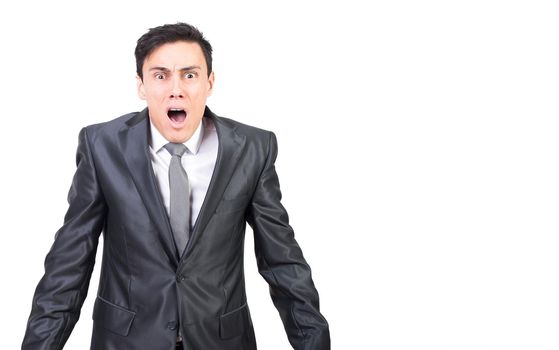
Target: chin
[178,137]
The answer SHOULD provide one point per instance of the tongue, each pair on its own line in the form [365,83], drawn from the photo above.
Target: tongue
[177,116]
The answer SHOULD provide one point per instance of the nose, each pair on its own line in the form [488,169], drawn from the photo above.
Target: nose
[176,91]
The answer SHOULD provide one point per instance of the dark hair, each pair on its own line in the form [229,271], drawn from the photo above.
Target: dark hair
[170,33]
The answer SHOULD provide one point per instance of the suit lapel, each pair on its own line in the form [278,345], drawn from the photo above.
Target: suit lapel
[135,150]
[230,148]
[134,138]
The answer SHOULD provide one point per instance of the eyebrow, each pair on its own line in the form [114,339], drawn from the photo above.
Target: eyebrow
[183,69]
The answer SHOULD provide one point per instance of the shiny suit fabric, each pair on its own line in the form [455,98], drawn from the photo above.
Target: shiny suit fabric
[147,292]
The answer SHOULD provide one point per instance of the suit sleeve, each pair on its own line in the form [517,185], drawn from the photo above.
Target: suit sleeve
[68,265]
[281,263]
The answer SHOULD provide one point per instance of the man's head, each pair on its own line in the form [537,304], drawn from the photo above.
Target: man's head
[175,77]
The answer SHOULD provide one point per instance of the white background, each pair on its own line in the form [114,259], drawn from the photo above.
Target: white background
[418,154]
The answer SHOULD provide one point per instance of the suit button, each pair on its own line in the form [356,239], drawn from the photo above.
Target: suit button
[172,325]
[180,278]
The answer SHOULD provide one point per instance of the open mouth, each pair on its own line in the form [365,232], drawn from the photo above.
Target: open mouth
[176,115]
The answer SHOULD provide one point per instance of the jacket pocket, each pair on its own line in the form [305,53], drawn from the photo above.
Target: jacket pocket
[233,323]
[114,318]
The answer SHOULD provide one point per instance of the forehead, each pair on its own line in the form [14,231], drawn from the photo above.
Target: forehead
[180,53]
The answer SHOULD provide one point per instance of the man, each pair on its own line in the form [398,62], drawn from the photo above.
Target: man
[172,188]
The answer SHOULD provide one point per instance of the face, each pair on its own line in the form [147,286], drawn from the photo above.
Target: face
[175,86]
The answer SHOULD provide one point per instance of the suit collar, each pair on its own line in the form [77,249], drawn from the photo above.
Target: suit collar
[231,146]
[134,145]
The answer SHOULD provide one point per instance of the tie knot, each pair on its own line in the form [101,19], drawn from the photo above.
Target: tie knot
[176,149]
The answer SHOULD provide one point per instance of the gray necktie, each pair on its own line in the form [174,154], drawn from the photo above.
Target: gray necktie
[180,196]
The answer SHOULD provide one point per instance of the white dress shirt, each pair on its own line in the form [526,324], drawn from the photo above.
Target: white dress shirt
[198,161]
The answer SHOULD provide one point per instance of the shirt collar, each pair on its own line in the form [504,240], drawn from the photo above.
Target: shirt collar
[157,141]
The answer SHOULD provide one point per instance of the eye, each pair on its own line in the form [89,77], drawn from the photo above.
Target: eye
[190,75]
[159,76]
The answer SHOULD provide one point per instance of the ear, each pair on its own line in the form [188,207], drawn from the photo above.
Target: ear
[141,88]
[211,79]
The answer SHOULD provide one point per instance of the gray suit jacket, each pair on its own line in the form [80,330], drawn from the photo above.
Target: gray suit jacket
[146,291]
